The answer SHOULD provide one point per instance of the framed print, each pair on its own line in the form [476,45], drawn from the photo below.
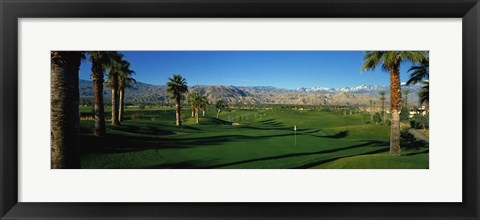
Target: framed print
[226,109]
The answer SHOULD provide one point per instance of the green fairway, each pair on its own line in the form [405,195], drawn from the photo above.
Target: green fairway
[244,138]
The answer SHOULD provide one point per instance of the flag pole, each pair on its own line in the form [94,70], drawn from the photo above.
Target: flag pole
[295,129]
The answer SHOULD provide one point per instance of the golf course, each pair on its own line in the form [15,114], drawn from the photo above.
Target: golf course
[240,110]
[245,139]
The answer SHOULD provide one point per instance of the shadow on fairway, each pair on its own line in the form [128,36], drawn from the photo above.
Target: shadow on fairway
[272,124]
[310,165]
[370,143]
[192,164]
[415,144]
[150,130]
[147,136]
[314,164]
[172,127]
[340,134]
[416,153]
[113,143]
[216,140]
[277,128]
[118,143]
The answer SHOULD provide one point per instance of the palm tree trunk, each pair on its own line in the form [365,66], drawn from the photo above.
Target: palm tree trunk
[218,113]
[406,102]
[97,77]
[193,111]
[64,110]
[178,121]
[371,112]
[383,110]
[121,104]
[115,99]
[203,112]
[395,97]
[196,114]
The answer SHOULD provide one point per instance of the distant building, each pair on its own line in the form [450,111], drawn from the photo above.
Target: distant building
[417,111]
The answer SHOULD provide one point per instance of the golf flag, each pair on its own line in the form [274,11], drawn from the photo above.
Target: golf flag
[295,131]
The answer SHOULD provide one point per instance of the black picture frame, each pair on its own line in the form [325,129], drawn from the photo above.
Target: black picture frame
[12,10]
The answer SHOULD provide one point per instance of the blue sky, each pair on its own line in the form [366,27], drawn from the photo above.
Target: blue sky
[284,69]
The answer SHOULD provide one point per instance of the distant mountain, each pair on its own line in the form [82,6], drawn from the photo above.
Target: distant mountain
[263,89]
[363,89]
[359,95]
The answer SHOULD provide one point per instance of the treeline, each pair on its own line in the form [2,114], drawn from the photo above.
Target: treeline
[65,99]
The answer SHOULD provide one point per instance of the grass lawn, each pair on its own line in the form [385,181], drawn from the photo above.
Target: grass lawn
[257,139]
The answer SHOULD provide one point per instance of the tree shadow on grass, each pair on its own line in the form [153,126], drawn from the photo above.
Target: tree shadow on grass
[300,131]
[213,121]
[191,164]
[149,130]
[408,141]
[216,140]
[370,143]
[172,127]
[417,144]
[383,150]
[112,143]
[317,163]
[338,135]
[270,122]
[221,139]
[417,153]
[268,128]
[309,131]
[148,136]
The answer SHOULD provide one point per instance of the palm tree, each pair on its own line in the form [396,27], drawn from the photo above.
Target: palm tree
[100,61]
[371,109]
[382,99]
[115,67]
[64,109]
[390,61]
[405,93]
[220,105]
[374,107]
[177,86]
[424,95]
[124,81]
[420,74]
[197,102]
[191,101]
[203,104]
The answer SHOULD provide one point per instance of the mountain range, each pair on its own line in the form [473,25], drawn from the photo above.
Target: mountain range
[359,95]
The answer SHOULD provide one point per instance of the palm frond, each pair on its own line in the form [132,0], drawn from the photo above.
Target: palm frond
[424,93]
[177,86]
[413,56]
[420,72]
[371,59]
